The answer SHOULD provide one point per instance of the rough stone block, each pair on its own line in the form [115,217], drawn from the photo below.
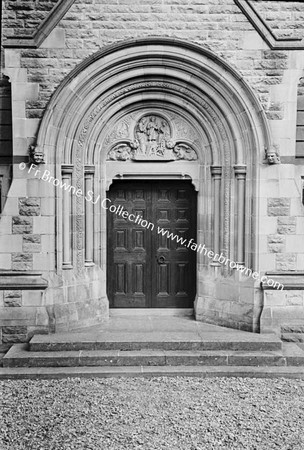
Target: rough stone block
[278,206]
[286,225]
[276,248]
[286,261]
[276,243]
[12,303]
[21,261]
[12,299]
[14,329]
[31,243]
[12,294]
[29,206]
[22,225]
[276,239]
[14,338]
[295,299]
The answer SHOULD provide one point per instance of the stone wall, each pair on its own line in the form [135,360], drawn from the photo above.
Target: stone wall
[285,19]
[28,227]
[90,25]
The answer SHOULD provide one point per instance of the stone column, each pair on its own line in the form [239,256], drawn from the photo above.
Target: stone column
[89,215]
[66,174]
[240,173]
[216,172]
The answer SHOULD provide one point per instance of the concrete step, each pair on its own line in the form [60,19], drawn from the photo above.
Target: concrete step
[20,356]
[45,373]
[171,340]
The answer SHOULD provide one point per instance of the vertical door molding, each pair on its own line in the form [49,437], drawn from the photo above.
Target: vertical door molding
[89,214]
[216,172]
[66,174]
[240,173]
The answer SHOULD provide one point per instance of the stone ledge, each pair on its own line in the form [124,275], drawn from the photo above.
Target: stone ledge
[274,42]
[290,280]
[19,280]
[43,30]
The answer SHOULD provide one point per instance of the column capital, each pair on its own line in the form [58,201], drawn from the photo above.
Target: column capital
[216,170]
[67,168]
[240,170]
[89,169]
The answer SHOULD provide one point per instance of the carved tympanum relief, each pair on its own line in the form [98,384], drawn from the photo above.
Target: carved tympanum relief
[152,141]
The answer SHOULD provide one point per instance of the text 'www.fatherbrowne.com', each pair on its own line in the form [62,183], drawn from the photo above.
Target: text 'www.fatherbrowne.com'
[107,204]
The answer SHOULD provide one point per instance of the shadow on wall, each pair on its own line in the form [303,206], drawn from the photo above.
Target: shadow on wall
[5,139]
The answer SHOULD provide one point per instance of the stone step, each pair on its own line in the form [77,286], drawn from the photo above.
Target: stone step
[20,356]
[151,312]
[115,340]
[47,373]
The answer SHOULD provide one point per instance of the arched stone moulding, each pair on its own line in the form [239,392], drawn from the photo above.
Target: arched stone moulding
[194,90]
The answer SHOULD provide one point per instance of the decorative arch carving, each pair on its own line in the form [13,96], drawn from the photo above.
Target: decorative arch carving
[152,141]
[207,124]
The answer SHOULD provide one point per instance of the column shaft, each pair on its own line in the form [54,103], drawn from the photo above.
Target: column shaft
[240,173]
[89,216]
[216,172]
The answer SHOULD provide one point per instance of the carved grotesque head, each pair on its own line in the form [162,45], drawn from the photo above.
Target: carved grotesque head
[36,155]
[273,157]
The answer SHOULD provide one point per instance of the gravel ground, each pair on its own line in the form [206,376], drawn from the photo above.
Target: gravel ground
[156,413]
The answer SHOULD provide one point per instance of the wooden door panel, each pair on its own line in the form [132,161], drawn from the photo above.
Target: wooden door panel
[152,270]
[175,211]
[128,248]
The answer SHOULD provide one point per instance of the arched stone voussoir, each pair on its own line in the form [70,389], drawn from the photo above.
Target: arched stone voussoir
[196,69]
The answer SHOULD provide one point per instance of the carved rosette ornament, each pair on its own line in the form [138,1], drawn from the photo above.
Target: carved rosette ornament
[152,142]
[272,155]
[36,155]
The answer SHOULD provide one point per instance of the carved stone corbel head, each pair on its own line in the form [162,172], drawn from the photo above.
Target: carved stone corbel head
[272,155]
[36,155]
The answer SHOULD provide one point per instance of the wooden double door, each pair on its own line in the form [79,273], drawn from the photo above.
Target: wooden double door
[146,267]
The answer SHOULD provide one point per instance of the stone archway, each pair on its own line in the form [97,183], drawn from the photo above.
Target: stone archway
[212,112]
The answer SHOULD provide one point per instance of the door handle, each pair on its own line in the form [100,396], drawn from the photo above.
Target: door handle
[161,260]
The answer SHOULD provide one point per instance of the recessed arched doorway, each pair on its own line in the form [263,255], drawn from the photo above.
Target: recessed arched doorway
[167,111]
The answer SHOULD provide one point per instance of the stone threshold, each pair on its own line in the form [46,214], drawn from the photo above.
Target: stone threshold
[133,312]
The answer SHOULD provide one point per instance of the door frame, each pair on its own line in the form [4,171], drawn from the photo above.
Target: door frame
[152,303]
